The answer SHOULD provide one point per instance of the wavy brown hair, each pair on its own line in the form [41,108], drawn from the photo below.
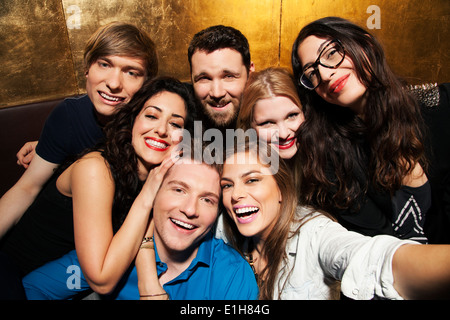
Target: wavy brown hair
[118,151]
[274,246]
[385,146]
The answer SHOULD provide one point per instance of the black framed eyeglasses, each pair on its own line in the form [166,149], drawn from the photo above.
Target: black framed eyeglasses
[331,57]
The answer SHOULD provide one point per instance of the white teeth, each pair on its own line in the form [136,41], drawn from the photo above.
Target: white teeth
[286,142]
[183,224]
[219,105]
[156,144]
[246,209]
[104,95]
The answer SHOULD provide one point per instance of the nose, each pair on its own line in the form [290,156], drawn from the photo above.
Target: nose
[161,129]
[326,73]
[189,207]
[238,193]
[114,81]
[216,89]
[283,131]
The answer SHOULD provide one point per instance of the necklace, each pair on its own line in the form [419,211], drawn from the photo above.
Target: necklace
[251,262]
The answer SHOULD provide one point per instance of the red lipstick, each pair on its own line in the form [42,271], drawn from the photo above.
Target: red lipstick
[339,84]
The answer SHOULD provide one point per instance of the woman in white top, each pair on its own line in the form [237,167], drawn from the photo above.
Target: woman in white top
[321,258]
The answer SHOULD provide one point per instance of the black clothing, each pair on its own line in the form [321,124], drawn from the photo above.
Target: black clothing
[376,212]
[44,233]
[436,114]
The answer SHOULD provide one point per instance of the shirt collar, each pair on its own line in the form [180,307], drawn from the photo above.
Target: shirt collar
[292,242]
[204,256]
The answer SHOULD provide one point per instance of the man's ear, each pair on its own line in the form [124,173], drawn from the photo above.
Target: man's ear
[252,67]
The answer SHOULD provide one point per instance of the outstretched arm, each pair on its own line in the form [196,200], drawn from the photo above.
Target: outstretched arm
[16,201]
[422,271]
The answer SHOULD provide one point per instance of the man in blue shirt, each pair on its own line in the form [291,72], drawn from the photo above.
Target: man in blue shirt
[217,273]
[190,262]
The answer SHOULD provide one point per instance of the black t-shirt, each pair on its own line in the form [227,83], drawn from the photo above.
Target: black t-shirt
[70,128]
[45,231]
[377,212]
[436,113]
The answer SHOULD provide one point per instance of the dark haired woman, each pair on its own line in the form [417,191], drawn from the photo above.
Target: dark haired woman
[107,193]
[363,144]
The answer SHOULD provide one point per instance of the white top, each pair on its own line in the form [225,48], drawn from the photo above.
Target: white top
[324,258]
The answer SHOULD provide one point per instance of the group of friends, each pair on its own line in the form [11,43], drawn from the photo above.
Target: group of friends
[358,206]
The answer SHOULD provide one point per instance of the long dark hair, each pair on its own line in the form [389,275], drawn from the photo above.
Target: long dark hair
[385,146]
[118,150]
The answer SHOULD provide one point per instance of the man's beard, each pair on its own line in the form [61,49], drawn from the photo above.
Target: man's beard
[221,119]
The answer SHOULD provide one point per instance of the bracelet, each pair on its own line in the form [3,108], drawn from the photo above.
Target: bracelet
[154,295]
[147,239]
[148,246]
[147,243]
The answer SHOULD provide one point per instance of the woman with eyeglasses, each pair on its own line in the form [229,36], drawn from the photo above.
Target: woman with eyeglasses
[366,152]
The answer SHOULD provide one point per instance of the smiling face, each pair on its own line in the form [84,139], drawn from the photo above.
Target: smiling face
[250,195]
[157,129]
[185,207]
[277,120]
[219,79]
[113,80]
[340,86]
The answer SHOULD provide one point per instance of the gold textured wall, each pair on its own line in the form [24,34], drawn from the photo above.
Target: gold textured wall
[42,41]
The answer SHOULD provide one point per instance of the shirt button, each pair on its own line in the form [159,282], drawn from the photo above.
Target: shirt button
[355,292]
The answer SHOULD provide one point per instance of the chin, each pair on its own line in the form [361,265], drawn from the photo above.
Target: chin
[287,154]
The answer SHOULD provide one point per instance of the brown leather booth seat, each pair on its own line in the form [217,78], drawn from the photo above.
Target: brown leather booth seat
[19,124]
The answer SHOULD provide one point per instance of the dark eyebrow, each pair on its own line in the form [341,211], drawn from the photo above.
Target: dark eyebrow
[201,74]
[243,175]
[160,110]
[322,45]
[319,51]
[249,173]
[224,72]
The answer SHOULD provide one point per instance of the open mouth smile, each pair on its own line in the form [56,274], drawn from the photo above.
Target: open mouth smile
[156,144]
[220,105]
[183,225]
[110,98]
[245,214]
[286,144]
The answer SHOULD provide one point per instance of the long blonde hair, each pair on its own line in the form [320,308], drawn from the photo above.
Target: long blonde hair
[269,83]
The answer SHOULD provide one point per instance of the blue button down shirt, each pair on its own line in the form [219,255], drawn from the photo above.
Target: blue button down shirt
[218,272]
